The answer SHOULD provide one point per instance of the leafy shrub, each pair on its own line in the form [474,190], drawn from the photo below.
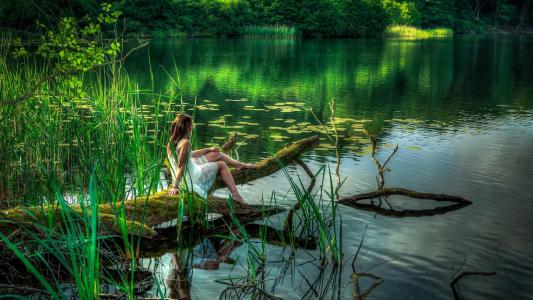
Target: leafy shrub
[402,13]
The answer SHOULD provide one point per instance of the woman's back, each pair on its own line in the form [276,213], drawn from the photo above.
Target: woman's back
[200,174]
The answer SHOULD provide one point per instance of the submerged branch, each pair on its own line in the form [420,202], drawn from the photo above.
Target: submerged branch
[462,275]
[354,201]
[383,193]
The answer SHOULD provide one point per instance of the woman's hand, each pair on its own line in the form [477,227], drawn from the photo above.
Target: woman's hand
[173,191]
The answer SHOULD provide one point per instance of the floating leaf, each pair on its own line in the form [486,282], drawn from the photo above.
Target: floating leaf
[277,136]
[359,139]
[248,123]
[342,120]
[251,136]
[236,100]
[211,107]
[413,147]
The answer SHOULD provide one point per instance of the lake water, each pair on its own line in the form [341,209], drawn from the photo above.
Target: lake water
[461,111]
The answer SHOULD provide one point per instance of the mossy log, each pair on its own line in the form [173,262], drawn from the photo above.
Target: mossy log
[147,211]
[354,201]
[271,164]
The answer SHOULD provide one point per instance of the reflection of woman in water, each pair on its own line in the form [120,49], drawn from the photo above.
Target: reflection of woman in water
[207,256]
[202,165]
[179,280]
[211,252]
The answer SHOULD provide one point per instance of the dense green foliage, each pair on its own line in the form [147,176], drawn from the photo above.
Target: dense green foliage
[328,18]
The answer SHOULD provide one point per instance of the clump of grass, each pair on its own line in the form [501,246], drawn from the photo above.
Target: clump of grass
[410,32]
[73,248]
[270,31]
[59,141]
[56,133]
[319,216]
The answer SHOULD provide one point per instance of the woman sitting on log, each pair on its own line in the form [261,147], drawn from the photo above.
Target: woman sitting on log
[202,165]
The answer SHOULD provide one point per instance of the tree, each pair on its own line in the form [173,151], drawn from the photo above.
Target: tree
[70,49]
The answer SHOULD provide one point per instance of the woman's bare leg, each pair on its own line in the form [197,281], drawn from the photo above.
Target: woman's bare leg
[226,176]
[219,156]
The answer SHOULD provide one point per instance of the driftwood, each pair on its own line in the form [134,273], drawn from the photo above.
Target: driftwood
[457,278]
[382,193]
[354,201]
[148,211]
[356,290]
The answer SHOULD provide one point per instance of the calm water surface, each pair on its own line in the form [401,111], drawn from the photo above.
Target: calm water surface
[460,109]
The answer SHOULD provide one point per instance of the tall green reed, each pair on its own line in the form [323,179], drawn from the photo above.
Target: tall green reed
[74,247]
[57,140]
[270,31]
[318,213]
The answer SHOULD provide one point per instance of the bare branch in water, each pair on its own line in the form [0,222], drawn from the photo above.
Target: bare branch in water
[382,193]
[462,275]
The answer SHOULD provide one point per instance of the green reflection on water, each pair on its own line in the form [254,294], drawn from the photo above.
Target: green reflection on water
[433,83]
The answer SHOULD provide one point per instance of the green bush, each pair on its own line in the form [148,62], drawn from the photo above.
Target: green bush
[320,18]
[231,16]
[402,13]
[326,18]
[438,13]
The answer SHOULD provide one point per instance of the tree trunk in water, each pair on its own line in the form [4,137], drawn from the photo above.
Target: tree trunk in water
[148,211]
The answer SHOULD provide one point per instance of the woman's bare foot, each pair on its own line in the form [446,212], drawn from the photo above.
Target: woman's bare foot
[238,198]
[245,166]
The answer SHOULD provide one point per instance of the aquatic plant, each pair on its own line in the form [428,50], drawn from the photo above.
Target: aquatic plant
[63,139]
[410,32]
[270,31]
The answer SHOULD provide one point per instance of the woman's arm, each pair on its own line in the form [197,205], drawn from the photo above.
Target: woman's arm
[182,161]
[198,153]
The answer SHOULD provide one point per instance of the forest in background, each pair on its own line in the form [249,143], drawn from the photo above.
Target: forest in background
[309,18]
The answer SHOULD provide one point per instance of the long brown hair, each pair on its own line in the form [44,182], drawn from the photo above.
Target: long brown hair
[180,127]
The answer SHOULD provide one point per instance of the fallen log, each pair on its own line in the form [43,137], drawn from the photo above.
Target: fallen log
[147,211]
[271,164]
[354,202]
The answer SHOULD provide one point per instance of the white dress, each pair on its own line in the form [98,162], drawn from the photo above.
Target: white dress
[200,174]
